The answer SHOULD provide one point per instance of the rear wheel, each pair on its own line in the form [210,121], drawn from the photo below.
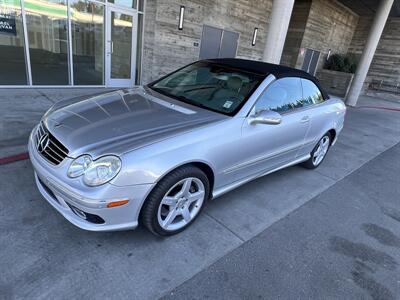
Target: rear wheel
[176,201]
[319,152]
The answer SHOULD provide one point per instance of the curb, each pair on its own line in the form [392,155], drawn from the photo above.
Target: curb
[14,158]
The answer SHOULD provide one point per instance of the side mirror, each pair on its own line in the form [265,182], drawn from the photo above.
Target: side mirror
[266,117]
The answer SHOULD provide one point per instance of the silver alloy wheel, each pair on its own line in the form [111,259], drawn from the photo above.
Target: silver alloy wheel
[321,150]
[181,204]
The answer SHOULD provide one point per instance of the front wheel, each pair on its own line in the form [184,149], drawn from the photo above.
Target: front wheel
[319,152]
[176,201]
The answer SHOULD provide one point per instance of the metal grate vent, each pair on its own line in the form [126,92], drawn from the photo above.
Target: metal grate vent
[49,147]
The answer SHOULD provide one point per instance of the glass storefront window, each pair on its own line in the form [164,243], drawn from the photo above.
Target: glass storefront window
[127,3]
[87,27]
[121,36]
[48,41]
[12,54]
[42,51]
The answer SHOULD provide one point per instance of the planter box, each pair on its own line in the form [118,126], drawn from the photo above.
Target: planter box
[335,82]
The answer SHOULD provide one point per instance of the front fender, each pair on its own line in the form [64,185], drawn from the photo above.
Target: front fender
[153,169]
[212,146]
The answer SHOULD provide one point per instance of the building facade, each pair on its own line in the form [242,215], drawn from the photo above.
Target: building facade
[117,43]
[70,42]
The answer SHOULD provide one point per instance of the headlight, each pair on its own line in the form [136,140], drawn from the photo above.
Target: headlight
[102,170]
[95,172]
[79,166]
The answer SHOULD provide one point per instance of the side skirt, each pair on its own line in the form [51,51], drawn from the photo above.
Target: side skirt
[230,187]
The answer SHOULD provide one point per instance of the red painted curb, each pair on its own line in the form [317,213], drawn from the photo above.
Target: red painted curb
[13,158]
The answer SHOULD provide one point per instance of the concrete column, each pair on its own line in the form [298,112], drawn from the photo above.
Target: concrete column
[374,36]
[277,30]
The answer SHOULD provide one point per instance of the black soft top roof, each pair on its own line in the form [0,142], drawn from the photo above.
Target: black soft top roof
[266,69]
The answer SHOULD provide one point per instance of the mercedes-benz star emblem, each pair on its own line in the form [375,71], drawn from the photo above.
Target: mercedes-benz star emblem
[43,143]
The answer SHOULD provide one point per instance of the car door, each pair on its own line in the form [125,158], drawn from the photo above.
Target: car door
[313,101]
[266,147]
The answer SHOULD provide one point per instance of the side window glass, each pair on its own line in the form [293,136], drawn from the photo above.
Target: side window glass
[311,93]
[281,96]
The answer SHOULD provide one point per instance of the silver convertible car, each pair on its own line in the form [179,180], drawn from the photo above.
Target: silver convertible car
[155,154]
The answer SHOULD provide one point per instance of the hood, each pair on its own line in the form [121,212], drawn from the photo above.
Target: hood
[122,121]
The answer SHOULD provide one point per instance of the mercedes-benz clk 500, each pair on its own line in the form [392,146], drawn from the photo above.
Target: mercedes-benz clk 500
[156,154]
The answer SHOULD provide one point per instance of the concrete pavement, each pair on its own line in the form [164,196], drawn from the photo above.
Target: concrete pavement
[43,256]
[21,110]
[343,244]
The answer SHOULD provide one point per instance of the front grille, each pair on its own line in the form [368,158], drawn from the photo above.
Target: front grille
[49,147]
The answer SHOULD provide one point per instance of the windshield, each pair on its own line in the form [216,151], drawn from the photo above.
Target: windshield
[205,84]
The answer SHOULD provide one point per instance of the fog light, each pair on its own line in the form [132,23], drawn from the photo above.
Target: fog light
[117,203]
[79,213]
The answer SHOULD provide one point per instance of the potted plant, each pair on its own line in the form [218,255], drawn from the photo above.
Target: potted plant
[338,73]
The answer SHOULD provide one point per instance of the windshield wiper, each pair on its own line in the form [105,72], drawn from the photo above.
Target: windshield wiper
[199,88]
[192,102]
[159,90]
[185,99]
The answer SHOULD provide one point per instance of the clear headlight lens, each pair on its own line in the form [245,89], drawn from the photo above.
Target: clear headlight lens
[79,166]
[95,172]
[102,170]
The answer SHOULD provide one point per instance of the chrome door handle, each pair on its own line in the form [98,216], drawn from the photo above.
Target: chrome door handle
[305,119]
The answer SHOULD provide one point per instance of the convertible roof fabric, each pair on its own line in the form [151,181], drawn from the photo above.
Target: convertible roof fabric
[265,69]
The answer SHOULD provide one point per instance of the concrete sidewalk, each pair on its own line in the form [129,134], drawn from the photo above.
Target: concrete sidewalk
[44,256]
[343,244]
[21,110]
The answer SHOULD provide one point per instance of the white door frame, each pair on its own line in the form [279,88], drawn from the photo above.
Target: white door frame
[113,82]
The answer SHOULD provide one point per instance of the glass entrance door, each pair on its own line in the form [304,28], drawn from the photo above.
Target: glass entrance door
[121,47]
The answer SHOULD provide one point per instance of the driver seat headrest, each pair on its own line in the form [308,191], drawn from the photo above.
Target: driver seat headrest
[234,83]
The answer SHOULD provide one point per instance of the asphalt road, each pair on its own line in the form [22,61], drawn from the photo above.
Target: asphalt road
[342,244]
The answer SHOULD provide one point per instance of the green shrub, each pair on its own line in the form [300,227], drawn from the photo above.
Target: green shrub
[342,63]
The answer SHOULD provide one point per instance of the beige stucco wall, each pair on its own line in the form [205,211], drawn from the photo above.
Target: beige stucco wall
[296,30]
[330,25]
[386,63]
[316,24]
[167,48]
[319,25]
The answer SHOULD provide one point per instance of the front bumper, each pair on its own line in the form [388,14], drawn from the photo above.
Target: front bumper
[72,198]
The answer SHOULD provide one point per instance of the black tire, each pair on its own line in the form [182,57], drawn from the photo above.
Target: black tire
[148,214]
[309,164]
